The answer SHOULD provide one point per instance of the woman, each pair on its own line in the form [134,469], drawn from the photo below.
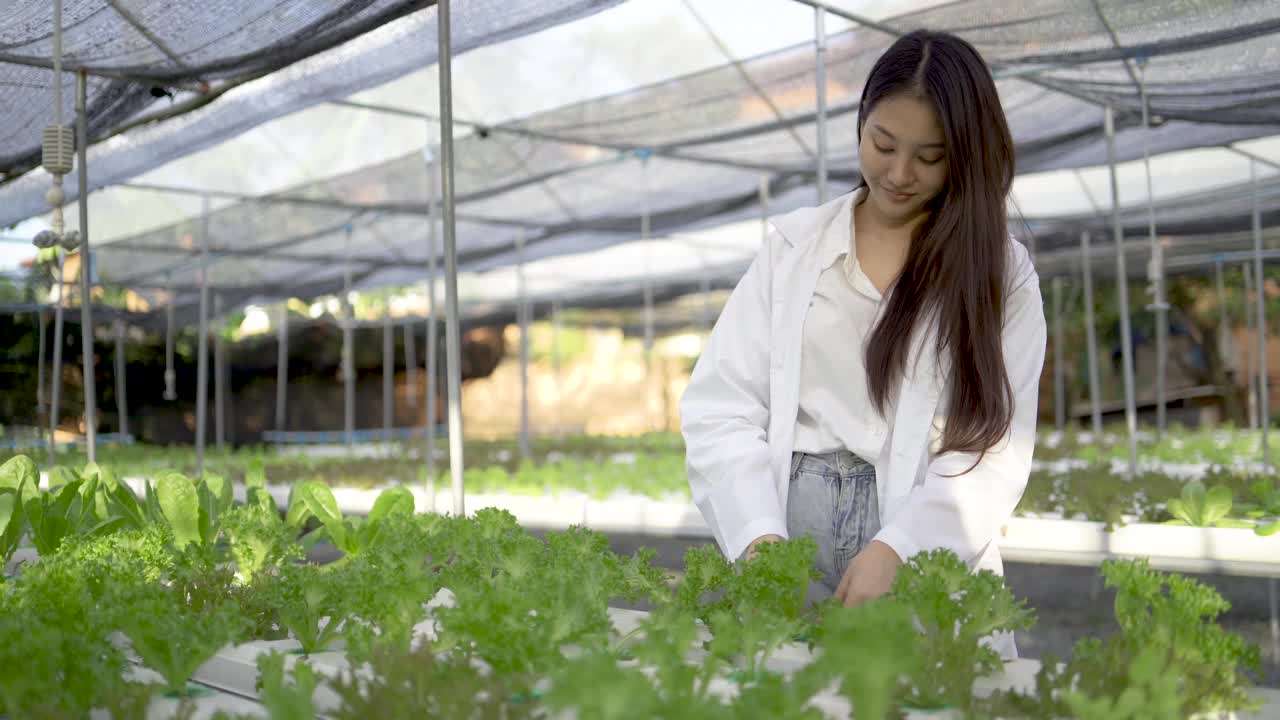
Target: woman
[873,380]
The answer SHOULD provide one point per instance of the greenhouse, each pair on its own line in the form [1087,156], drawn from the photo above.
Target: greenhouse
[348,344]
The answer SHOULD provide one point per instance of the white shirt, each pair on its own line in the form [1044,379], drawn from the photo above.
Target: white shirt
[738,413]
[836,412]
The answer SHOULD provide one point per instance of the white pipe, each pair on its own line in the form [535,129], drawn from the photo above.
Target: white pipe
[1122,291]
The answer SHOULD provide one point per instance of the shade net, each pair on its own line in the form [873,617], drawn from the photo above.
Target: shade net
[234,64]
[695,151]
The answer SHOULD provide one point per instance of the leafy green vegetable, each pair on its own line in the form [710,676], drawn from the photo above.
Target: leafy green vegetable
[1200,508]
[313,604]
[286,701]
[424,683]
[954,609]
[871,650]
[180,505]
[258,539]
[175,640]
[762,604]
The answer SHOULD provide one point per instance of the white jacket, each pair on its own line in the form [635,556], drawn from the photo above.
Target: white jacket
[738,413]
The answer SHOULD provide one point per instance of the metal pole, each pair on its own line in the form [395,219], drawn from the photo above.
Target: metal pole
[202,359]
[433,331]
[820,50]
[1225,346]
[1224,329]
[1250,360]
[1155,271]
[1059,370]
[1264,395]
[704,287]
[1091,338]
[1122,292]
[219,378]
[86,266]
[764,207]
[55,397]
[648,283]
[522,313]
[40,398]
[282,369]
[555,364]
[410,365]
[1275,619]
[388,375]
[122,401]
[348,352]
[453,335]
[170,375]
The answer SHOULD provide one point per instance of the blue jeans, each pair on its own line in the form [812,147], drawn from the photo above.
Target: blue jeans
[832,499]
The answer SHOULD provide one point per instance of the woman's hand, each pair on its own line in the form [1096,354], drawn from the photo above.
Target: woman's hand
[751,549]
[870,574]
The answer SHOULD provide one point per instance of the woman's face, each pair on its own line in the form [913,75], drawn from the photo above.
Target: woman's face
[903,156]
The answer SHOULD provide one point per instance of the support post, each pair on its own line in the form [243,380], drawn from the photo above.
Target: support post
[1260,284]
[433,330]
[1122,295]
[282,369]
[388,376]
[55,399]
[86,270]
[556,320]
[1059,371]
[219,377]
[348,351]
[410,365]
[122,384]
[1155,271]
[648,286]
[170,374]
[820,80]
[41,409]
[1091,338]
[453,335]
[1251,362]
[522,314]
[202,359]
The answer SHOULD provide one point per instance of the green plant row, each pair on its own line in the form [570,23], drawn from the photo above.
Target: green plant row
[1225,498]
[1219,446]
[183,571]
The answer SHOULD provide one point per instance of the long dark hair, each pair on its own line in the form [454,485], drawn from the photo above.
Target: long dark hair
[966,231]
